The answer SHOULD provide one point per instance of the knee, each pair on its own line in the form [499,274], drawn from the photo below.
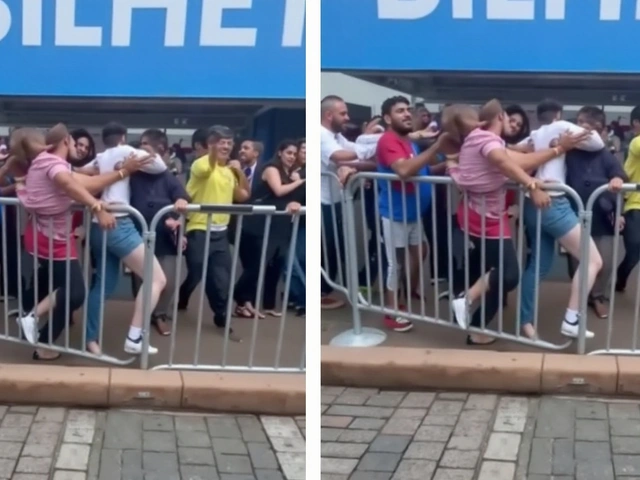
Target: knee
[595,260]
[159,279]
[76,296]
[511,278]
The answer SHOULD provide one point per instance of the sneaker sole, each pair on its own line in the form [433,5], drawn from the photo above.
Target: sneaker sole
[131,351]
[403,329]
[575,335]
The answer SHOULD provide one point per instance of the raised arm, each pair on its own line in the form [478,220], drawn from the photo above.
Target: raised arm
[590,143]
[155,166]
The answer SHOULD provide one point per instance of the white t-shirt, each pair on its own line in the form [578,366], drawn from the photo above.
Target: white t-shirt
[109,160]
[329,144]
[555,170]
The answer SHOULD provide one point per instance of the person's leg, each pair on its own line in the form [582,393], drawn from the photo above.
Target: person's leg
[543,258]
[602,284]
[571,242]
[218,277]
[271,282]
[245,289]
[75,294]
[631,236]
[395,241]
[493,283]
[194,260]
[164,309]
[135,262]
[331,245]
[169,265]
[371,217]
[418,251]
[106,273]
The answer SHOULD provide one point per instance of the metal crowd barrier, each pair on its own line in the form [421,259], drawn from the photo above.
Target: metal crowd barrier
[629,346]
[423,306]
[25,276]
[20,275]
[333,236]
[251,364]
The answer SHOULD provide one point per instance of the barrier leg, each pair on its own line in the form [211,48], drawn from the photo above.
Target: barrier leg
[358,336]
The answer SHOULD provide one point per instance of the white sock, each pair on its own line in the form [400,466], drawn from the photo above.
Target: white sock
[135,333]
[571,316]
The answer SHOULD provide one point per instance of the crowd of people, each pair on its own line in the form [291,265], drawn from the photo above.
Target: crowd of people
[483,151]
[54,171]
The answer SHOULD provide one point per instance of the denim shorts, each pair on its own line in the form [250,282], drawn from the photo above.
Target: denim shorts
[557,220]
[121,241]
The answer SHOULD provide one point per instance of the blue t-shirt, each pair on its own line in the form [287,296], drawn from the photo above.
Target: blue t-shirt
[417,202]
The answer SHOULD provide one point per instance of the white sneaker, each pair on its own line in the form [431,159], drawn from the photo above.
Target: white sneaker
[134,347]
[572,330]
[29,327]
[461,311]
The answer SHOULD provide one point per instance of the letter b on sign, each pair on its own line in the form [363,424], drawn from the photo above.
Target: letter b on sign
[405,9]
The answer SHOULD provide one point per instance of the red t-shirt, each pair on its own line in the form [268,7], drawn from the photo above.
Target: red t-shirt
[390,149]
[43,242]
[492,227]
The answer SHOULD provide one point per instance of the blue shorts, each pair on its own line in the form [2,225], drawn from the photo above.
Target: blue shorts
[556,221]
[121,241]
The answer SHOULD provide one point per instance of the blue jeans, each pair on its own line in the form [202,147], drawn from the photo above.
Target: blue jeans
[298,289]
[555,222]
[120,242]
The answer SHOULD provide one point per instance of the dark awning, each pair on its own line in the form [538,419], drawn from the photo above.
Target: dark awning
[476,87]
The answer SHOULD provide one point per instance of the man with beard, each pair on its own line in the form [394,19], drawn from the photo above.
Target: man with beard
[249,154]
[336,152]
[401,206]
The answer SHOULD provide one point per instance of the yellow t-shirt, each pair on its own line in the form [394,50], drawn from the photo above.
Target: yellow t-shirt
[210,185]
[632,168]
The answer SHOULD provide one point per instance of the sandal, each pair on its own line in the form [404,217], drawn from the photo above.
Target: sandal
[242,312]
[36,356]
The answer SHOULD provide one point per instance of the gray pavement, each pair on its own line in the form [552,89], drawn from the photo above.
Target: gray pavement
[60,444]
[374,435]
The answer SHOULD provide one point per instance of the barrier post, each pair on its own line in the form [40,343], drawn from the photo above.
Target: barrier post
[586,217]
[149,238]
[358,336]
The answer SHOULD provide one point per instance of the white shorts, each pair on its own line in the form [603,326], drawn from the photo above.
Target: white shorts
[399,235]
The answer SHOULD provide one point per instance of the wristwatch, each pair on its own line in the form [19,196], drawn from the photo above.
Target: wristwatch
[96,207]
[533,185]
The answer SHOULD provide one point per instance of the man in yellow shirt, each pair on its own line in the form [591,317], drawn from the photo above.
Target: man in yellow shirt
[632,207]
[214,180]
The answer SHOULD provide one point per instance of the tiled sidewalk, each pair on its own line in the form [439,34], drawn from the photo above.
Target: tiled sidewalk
[59,444]
[373,435]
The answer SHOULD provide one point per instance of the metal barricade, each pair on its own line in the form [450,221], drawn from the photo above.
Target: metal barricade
[448,251]
[23,281]
[623,338]
[334,249]
[262,261]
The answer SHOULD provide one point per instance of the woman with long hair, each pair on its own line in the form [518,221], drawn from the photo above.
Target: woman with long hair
[483,168]
[48,191]
[85,147]
[278,184]
[519,127]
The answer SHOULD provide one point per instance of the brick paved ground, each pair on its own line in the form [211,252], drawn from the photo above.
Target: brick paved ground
[373,435]
[59,444]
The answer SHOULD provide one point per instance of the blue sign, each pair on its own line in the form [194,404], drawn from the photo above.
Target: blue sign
[583,36]
[153,48]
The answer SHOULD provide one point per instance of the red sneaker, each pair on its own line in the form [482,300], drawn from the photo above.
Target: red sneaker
[397,323]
